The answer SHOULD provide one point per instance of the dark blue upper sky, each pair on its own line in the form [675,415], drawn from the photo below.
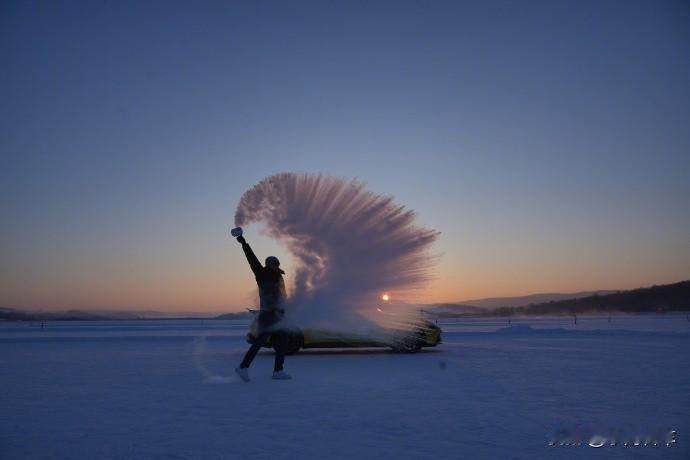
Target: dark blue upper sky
[548,141]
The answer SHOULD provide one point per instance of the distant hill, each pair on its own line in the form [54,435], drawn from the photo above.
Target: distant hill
[453,309]
[662,298]
[520,301]
[12,314]
[238,315]
[66,315]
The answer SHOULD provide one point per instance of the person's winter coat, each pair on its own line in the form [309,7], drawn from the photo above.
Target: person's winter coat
[271,285]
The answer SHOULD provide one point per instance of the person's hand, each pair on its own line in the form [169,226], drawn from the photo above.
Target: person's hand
[241,240]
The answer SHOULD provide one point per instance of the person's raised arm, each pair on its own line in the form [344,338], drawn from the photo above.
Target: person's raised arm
[251,257]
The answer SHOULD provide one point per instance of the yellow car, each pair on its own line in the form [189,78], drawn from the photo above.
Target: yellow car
[407,339]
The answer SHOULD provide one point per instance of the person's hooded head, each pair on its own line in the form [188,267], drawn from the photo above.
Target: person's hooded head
[273,263]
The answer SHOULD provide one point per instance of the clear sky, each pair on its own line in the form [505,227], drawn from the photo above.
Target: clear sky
[548,141]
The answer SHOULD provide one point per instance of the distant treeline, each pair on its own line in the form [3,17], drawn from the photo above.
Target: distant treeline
[11,314]
[664,298]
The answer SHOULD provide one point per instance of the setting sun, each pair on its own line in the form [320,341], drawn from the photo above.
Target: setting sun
[385,297]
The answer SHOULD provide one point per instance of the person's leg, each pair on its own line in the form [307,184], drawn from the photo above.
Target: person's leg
[279,340]
[253,350]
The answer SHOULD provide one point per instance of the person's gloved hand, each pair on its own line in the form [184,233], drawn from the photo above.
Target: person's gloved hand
[241,240]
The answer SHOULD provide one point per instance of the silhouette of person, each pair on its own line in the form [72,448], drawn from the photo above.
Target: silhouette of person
[272,294]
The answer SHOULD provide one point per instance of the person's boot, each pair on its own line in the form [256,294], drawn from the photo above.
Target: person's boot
[281,375]
[243,372]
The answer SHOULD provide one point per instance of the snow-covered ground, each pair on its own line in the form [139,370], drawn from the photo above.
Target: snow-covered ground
[165,389]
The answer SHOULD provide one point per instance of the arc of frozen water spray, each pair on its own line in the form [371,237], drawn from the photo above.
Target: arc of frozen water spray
[350,244]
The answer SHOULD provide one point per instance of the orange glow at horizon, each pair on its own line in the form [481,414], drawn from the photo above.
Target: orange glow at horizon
[215,276]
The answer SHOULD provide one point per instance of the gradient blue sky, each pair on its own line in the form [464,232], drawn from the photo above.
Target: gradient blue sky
[547,141]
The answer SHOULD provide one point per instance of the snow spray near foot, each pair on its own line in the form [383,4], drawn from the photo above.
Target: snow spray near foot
[350,245]
[208,375]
